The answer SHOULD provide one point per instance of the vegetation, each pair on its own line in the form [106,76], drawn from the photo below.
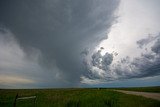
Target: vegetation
[155,89]
[75,98]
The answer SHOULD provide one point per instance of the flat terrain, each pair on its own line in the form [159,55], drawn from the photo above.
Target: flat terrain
[155,89]
[75,98]
[155,96]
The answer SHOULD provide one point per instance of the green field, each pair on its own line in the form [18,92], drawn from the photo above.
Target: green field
[75,98]
[155,89]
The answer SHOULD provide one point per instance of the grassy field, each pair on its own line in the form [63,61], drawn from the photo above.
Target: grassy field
[155,89]
[75,98]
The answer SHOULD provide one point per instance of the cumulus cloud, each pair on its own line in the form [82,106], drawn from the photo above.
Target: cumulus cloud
[60,30]
[100,61]
[146,65]
[156,47]
[146,41]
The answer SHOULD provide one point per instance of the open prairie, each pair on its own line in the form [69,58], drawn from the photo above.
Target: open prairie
[155,89]
[78,97]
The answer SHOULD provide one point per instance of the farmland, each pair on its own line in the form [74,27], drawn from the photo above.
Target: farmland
[78,97]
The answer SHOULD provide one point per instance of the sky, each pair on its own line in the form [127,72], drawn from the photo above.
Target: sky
[79,43]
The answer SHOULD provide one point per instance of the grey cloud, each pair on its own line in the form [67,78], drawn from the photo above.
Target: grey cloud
[59,29]
[146,65]
[148,56]
[18,70]
[97,66]
[155,40]
[102,62]
[96,59]
[85,52]
[107,60]
[156,47]
[146,41]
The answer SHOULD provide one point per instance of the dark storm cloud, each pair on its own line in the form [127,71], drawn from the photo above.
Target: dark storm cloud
[18,70]
[100,61]
[156,47]
[59,29]
[96,59]
[98,67]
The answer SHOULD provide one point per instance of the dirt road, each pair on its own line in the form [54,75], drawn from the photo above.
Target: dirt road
[155,96]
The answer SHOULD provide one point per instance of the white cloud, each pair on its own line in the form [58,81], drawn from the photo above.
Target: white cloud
[145,65]
[90,81]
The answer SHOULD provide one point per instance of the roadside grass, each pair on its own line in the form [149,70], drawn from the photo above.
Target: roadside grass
[75,98]
[155,89]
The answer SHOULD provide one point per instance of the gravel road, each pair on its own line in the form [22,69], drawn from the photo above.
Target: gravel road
[155,96]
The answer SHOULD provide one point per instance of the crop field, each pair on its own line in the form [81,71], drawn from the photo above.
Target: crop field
[74,98]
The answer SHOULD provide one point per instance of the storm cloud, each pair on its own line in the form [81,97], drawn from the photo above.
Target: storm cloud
[57,43]
[58,31]
[146,65]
